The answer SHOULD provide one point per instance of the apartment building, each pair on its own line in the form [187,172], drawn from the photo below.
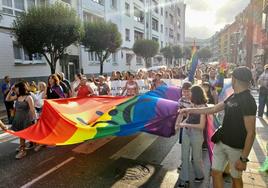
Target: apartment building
[160,20]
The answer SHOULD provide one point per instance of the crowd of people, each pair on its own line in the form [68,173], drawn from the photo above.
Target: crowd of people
[233,141]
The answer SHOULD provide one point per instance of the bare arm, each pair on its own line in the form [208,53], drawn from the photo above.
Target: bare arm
[250,125]
[137,88]
[9,96]
[204,110]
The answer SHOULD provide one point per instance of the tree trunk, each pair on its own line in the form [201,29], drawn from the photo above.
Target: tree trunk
[52,69]
[53,66]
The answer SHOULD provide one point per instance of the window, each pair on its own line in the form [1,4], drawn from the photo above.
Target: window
[101,2]
[179,24]
[162,11]
[67,1]
[178,37]
[162,28]
[171,35]
[19,4]
[155,39]
[91,18]
[127,9]
[42,2]
[138,60]
[17,51]
[127,38]
[171,18]
[155,24]
[128,59]
[166,14]
[15,7]
[179,11]
[22,55]
[114,4]
[166,31]
[162,44]
[138,35]
[114,57]
[138,15]
[92,56]
[30,3]
[155,6]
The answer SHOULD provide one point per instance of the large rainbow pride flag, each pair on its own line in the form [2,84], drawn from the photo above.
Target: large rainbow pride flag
[74,120]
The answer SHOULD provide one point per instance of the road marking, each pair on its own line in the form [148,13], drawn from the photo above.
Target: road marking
[173,158]
[47,173]
[136,147]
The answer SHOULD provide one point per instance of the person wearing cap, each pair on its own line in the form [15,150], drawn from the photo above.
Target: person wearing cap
[234,139]
[263,92]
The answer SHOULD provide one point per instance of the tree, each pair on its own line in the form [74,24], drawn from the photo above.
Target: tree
[103,38]
[204,54]
[186,52]
[146,49]
[167,53]
[48,30]
[177,52]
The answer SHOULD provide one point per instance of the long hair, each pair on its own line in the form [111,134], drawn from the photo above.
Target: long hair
[198,95]
[55,78]
[23,89]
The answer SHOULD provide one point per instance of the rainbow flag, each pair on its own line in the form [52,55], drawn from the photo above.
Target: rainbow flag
[227,90]
[74,120]
[193,64]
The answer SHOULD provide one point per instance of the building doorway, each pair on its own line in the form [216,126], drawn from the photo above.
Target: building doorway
[70,66]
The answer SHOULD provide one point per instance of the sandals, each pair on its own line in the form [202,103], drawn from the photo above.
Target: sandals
[3,126]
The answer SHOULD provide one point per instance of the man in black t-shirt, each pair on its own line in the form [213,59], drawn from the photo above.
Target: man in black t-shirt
[236,136]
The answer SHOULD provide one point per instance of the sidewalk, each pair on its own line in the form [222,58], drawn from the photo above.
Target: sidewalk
[252,177]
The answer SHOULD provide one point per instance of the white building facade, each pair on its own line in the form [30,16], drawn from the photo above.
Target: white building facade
[160,20]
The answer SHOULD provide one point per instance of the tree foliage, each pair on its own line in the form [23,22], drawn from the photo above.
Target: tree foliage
[103,38]
[186,52]
[177,52]
[146,49]
[204,54]
[48,30]
[171,52]
[167,52]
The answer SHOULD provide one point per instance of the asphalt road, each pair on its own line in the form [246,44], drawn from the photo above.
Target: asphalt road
[141,160]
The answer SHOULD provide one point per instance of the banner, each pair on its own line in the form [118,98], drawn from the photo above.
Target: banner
[144,85]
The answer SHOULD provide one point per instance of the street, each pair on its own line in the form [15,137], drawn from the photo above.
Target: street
[141,160]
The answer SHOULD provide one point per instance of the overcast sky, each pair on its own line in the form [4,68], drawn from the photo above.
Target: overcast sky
[205,17]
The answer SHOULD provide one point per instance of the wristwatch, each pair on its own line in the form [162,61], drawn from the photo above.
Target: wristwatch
[244,159]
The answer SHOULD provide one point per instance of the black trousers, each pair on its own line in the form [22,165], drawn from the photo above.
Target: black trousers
[9,110]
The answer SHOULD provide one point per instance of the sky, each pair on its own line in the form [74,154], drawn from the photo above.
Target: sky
[205,17]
